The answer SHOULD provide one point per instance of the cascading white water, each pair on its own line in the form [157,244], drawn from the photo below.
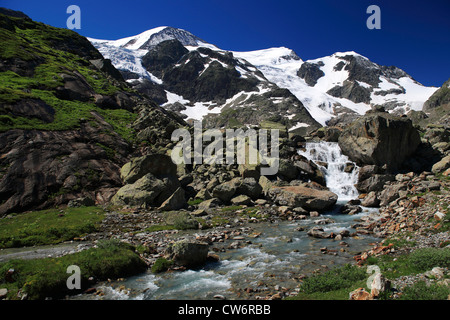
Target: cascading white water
[338,180]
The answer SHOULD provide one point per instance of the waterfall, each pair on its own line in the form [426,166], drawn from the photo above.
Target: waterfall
[329,158]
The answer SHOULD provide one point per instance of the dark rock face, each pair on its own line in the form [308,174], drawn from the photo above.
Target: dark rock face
[361,69]
[162,56]
[439,98]
[351,91]
[30,108]
[380,139]
[310,72]
[51,153]
[149,88]
[42,168]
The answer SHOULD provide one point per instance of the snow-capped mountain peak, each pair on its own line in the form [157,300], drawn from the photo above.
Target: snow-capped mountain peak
[342,83]
[150,38]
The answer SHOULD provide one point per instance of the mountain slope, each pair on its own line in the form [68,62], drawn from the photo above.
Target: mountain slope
[200,81]
[68,120]
[340,83]
[343,83]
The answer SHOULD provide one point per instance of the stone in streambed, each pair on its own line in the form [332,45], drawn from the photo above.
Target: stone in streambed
[300,196]
[188,254]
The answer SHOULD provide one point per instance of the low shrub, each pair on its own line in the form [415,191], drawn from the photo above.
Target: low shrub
[428,258]
[421,291]
[335,279]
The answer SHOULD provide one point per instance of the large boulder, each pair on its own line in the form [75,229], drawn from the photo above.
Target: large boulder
[380,139]
[287,170]
[250,187]
[188,254]
[142,193]
[441,165]
[175,202]
[156,164]
[372,178]
[150,181]
[301,196]
[225,191]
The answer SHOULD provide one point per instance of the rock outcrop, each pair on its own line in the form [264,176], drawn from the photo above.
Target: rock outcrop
[150,181]
[69,138]
[381,139]
[301,196]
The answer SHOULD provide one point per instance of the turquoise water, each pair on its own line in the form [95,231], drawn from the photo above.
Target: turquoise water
[276,258]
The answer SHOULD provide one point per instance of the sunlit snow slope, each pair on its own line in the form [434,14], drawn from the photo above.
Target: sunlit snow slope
[344,82]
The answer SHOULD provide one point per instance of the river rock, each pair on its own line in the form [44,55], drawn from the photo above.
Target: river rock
[188,254]
[442,165]
[265,184]
[360,294]
[300,196]
[371,200]
[241,200]
[249,187]
[380,139]
[372,178]
[379,285]
[317,232]
[3,293]
[350,209]
[390,194]
[287,170]
[311,171]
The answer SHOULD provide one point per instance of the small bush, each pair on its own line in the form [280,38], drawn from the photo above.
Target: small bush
[334,279]
[420,291]
[428,258]
[161,265]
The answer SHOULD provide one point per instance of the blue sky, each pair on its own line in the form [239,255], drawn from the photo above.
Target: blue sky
[414,35]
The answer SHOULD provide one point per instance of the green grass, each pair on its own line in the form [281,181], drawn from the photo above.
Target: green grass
[418,261]
[41,278]
[48,226]
[231,208]
[195,202]
[54,51]
[422,291]
[161,265]
[335,279]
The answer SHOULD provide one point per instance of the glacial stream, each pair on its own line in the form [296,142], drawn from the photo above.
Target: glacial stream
[277,258]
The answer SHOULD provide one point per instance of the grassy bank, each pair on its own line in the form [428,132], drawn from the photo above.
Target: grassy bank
[42,278]
[336,284]
[48,226]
